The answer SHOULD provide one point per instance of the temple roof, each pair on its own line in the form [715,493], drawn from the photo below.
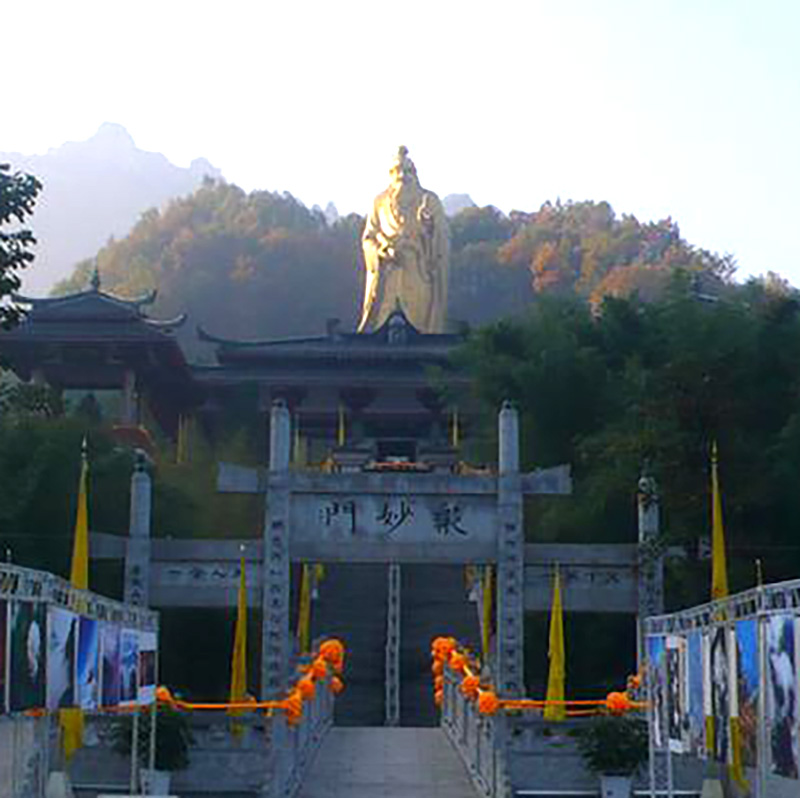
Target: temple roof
[395,339]
[90,316]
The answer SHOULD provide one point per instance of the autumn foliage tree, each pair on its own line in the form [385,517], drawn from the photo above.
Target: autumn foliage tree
[285,270]
[583,248]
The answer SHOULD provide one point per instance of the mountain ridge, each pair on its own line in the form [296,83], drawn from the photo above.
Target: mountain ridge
[95,190]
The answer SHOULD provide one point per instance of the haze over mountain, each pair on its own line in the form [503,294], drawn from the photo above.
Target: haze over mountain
[93,190]
[455,203]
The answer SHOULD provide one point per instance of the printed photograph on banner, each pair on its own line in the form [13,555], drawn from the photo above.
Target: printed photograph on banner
[3,654]
[129,666]
[782,715]
[62,649]
[720,693]
[88,664]
[747,688]
[657,673]
[676,710]
[695,699]
[28,652]
[110,667]
[147,667]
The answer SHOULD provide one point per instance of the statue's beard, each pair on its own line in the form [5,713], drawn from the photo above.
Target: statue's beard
[406,198]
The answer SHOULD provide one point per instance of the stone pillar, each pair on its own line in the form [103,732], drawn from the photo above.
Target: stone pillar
[510,666]
[129,414]
[137,551]
[275,636]
[650,584]
[392,676]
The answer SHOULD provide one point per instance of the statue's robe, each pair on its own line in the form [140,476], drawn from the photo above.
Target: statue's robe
[406,256]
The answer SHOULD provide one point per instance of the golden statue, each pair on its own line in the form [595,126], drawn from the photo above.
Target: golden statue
[406,249]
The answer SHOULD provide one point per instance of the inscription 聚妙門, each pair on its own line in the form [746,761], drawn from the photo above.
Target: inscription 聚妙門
[398,518]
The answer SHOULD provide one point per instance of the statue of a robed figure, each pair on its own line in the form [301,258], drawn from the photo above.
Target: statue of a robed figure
[406,249]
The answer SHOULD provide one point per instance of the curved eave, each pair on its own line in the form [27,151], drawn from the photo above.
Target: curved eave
[167,325]
[230,343]
[49,301]
[147,299]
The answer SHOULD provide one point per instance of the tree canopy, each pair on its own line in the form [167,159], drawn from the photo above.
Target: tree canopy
[639,383]
[18,192]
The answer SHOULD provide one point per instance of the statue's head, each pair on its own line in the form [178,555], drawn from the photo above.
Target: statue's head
[403,172]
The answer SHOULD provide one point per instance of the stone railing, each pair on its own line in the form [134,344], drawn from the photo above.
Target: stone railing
[481,740]
[268,756]
[292,747]
[24,755]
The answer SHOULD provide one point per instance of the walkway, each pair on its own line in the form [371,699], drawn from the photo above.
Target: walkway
[387,763]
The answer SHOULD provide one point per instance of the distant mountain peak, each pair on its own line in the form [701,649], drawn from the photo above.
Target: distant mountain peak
[94,189]
[114,134]
[453,203]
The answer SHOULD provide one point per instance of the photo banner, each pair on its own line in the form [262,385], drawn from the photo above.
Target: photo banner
[676,709]
[147,667]
[696,711]
[656,657]
[748,680]
[720,693]
[782,710]
[28,653]
[62,650]
[110,658]
[61,647]
[88,682]
[3,656]
[129,666]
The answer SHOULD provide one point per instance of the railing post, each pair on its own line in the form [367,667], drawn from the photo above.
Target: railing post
[392,676]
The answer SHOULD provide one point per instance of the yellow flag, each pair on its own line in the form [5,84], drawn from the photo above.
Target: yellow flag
[736,767]
[304,615]
[71,730]
[719,567]
[71,720]
[341,429]
[79,574]
[557,656]
[486,626]
[238,691]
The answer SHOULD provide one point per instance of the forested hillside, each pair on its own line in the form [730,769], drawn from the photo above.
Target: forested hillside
[262,264]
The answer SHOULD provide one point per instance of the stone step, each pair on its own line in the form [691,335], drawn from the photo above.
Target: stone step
[393,763]
[434,603]
[352,607]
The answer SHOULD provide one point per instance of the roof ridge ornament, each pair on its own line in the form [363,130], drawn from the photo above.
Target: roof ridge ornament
[95,280]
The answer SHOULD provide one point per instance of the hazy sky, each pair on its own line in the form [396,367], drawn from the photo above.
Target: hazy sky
[685,108]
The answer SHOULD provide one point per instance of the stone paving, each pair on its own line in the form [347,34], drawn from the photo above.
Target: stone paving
[387,763]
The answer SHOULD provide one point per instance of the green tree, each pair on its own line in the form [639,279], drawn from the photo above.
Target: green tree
[18,194]
[658,382]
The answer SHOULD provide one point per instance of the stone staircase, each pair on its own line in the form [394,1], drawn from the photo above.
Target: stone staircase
[434,602]
[352,606]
